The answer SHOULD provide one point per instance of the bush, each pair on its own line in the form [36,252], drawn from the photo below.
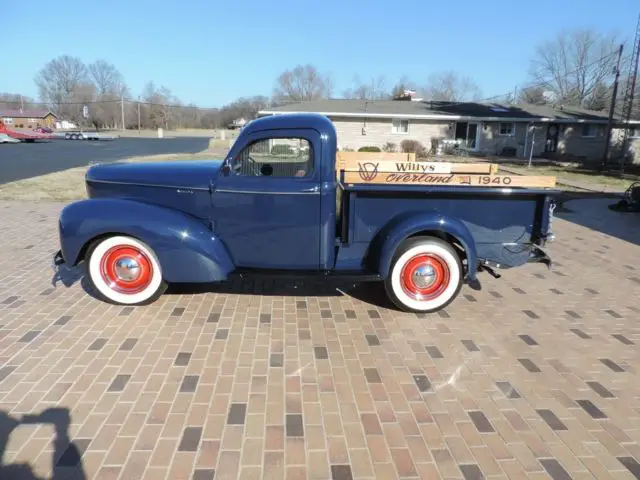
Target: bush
[413,146]
[369,149]
[389,147]
[282,150]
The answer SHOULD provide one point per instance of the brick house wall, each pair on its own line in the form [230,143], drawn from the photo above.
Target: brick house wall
[30,122]
[379,131]
[572,141]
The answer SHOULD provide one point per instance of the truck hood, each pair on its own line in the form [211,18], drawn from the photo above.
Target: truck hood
[186,173]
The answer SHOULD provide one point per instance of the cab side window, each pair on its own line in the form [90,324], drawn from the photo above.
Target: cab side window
[275,157]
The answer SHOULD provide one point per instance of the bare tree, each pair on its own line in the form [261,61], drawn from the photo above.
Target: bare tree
[374,90]
[59,78]
[106,78]
[451,86]
[575,63]
[15,101]
[160,107]
[244,107]
[403,84]
[599,98]
[534,95]
[302,83]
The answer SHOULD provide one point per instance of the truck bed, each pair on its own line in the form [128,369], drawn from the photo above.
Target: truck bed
[503,221]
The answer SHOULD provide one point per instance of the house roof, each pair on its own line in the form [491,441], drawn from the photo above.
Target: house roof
[33,113]
[438,110]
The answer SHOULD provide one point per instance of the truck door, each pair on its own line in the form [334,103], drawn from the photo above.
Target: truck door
[266,206]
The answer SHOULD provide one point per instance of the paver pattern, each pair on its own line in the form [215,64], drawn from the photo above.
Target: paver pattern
[535,376]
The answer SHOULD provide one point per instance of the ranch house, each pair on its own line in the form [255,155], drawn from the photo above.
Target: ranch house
[24,118]
[519,130]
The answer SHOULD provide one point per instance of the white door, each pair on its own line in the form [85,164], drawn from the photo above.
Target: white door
[473,136]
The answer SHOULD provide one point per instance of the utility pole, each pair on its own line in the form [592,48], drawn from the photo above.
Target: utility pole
[122,110]
[138,115]
[627,107]
[612,107]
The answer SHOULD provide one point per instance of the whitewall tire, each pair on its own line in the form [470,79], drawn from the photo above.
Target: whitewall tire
[124,270]
[426,275]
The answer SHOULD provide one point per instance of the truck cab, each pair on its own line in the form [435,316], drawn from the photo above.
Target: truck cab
[277,205]
[274,201]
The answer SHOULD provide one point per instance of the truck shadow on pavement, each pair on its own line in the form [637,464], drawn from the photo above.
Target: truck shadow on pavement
[595,215]
[368,292]
[66,460]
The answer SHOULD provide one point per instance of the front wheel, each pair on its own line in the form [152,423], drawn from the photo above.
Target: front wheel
[426,275]
[124,271]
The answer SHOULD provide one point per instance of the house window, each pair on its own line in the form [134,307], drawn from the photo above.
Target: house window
[275,157]
[8,121]
[507,129]
[588,130]
[634,132]
[400,126]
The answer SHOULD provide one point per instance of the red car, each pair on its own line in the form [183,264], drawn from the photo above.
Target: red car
[25,136]
[43,130]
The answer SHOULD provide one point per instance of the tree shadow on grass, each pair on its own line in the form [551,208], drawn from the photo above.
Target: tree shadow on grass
[66,457]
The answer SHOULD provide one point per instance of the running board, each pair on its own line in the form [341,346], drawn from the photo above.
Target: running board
[341,276]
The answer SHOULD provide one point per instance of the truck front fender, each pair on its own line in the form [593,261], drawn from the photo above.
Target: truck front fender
[404,226]
[186,249]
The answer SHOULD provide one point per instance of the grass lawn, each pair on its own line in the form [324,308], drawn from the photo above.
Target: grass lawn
[68,185]
[584,176]
[589,177]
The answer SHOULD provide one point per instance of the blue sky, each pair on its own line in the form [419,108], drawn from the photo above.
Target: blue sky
[211,52]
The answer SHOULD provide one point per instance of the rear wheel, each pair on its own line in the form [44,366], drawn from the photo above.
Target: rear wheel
[425,276]
[125,271]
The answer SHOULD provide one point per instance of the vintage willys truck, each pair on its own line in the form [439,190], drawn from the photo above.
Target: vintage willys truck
[277,204]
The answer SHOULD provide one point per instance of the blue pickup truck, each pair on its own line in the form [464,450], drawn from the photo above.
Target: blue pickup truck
[277,205]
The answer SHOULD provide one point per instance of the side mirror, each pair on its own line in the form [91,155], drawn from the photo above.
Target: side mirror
[226,168]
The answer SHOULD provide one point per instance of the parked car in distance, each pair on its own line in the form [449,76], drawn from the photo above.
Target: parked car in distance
[276,210]
[43,130]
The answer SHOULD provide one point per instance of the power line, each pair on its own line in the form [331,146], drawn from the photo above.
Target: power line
[523,87]
[102,102]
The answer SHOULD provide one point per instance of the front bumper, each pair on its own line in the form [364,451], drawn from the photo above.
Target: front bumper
[58,259]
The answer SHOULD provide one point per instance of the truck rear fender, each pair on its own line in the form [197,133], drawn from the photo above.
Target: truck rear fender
[387,241]
[186,248]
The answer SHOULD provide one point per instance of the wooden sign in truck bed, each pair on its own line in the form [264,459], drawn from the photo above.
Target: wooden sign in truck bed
[381,168]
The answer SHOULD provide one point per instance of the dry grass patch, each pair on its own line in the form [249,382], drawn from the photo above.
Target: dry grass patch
[68,185]
[587,177]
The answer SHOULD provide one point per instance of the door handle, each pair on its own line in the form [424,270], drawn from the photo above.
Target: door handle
[311,190]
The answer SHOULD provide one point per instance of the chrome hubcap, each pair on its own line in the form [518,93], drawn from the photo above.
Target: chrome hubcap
[127,269]
[424,276]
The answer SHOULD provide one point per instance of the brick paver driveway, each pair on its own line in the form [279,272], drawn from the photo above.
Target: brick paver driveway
[535,376]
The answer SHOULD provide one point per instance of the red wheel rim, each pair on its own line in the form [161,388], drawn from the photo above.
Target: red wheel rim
[425,276]
[126,269]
